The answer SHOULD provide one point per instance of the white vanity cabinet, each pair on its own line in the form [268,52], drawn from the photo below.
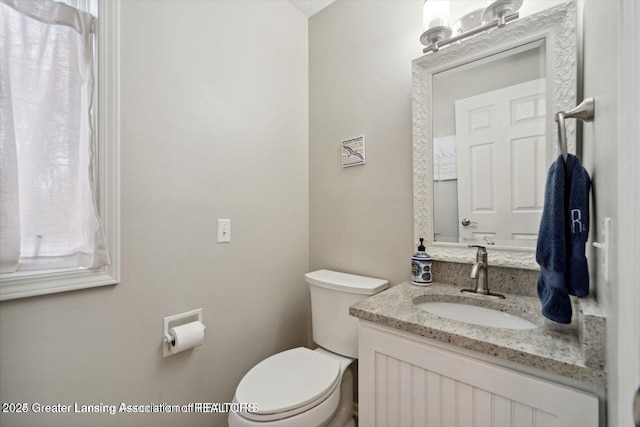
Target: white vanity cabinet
[409,380]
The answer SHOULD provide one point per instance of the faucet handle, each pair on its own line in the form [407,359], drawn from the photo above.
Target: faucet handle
[481,255]
[480,247]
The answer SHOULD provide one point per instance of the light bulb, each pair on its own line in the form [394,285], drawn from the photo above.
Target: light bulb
[435,13]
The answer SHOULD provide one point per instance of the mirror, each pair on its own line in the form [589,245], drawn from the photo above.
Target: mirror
[484,136]
[490,148]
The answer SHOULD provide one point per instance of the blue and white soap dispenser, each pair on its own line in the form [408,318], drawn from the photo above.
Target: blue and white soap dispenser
[421,267]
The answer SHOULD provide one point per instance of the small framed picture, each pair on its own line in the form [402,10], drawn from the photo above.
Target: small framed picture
[353,152]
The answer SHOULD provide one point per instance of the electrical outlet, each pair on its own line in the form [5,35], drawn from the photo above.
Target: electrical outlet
[224,230]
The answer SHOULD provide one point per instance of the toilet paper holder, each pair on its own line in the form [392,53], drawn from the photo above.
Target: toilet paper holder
[174,321]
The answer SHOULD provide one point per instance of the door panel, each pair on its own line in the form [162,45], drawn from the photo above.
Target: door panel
[502,161]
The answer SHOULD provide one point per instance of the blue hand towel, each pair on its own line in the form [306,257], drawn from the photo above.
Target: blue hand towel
[564,229]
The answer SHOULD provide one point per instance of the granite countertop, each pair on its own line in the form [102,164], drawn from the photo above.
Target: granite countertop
[575,351]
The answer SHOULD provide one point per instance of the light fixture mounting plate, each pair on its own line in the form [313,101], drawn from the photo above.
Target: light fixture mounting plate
[435,34]
[500,8]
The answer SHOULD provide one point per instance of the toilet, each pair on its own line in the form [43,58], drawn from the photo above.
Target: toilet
[302,387]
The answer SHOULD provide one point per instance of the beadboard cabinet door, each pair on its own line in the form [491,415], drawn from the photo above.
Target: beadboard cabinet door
[406,382]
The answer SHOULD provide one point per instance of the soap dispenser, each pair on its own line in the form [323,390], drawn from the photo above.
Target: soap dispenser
[421,267]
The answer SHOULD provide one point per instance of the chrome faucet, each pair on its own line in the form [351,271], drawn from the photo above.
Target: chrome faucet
[479,272]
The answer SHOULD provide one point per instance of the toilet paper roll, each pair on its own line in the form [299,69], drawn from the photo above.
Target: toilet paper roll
[186,336]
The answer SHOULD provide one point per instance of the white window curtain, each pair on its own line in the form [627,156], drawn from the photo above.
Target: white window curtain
[48,215]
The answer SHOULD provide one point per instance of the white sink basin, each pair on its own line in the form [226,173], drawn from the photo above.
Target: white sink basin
[477,315]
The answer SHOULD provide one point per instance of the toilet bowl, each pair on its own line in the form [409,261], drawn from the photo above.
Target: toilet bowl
[298,387]
[303,387]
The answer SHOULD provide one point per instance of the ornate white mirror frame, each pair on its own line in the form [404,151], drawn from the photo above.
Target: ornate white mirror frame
[557,27]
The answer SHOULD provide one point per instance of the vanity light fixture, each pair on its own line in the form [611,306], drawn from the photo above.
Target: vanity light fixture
[468,21]
[436,21]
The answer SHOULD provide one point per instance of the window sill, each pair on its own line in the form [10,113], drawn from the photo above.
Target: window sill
[17,285]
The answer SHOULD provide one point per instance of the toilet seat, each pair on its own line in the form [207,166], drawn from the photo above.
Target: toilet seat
[288,383]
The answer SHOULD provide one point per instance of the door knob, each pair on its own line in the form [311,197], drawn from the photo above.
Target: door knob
[467,222]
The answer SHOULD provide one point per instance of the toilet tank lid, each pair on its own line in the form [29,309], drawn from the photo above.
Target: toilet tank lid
[345,282]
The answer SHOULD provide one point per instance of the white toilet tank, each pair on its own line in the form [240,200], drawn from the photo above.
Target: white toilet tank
[332,293]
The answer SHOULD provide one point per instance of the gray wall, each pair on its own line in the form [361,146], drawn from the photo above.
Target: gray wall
[604,157]
[361,218]
[214,125]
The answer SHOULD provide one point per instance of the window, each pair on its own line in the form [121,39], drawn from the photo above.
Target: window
[27,281]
